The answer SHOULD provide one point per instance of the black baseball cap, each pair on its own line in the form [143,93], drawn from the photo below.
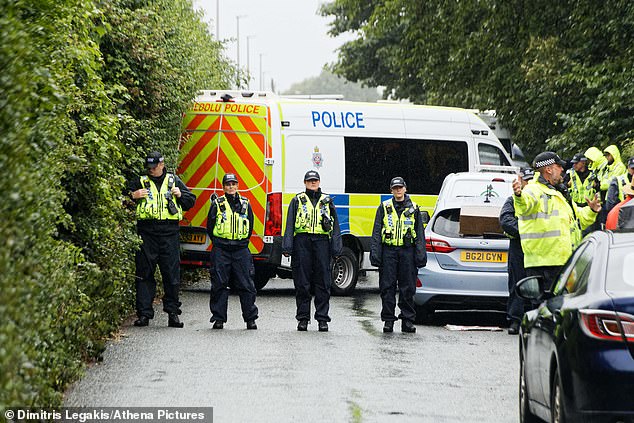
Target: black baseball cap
[312,175]
[153,159]
[630,162]
[527,173]
[579,157]
[397,182]
[547,158]
[229,177]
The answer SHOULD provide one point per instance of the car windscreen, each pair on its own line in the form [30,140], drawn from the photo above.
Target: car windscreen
[447,223]
[620,269]
[467,188]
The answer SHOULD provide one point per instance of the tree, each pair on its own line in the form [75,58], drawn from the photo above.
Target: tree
[556,72]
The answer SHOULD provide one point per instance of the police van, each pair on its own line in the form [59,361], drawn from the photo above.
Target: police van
[271,141]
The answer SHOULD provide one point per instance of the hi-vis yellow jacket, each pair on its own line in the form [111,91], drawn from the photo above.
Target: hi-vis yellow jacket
[549,227]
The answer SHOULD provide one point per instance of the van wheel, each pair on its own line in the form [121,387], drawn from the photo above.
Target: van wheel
[262,276]
[345,272]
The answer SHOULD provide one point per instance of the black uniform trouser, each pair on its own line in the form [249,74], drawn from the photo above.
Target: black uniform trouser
[398,268]
[311,275]
[163,250]
[515,307]
[235,266]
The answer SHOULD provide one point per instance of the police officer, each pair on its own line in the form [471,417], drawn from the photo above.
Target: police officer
[311,238]
[549,225]
[577,180]
[516,272]
[160,200]
[617,186]
[397,248]
[230,225]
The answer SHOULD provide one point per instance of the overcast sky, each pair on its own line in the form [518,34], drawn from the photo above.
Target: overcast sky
[289,35]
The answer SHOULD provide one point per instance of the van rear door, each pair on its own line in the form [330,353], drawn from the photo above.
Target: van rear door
[220,138]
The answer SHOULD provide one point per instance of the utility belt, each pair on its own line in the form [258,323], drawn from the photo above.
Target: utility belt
[398,247]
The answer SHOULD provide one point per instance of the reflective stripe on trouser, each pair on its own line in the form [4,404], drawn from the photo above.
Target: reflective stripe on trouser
[398,268]
[235,266]
[311,275]
[164,251]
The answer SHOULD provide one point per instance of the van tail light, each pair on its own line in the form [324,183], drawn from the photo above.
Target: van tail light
[419,284]
[273,225]
[438,246]
[607,325]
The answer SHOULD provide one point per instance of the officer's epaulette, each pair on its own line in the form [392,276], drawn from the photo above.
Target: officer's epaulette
[302,198]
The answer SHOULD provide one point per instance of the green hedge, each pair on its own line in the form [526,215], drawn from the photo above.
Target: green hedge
[87,88]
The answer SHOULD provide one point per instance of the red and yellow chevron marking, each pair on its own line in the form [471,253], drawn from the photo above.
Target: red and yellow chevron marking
[220,138]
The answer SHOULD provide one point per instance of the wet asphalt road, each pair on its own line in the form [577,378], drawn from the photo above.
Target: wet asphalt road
[353,373]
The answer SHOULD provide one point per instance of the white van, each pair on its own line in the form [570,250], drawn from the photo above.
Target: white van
[270,142]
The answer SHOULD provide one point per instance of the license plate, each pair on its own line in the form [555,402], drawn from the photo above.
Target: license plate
[484,256]
[193,238]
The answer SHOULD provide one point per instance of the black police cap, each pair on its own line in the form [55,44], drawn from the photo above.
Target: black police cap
[311,175]
[153,159]
[229,177]
[397,182]
[579,157]
[527,173]
[547,158]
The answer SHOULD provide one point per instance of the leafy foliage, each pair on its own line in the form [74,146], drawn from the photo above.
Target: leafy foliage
[88,87]
[558,73]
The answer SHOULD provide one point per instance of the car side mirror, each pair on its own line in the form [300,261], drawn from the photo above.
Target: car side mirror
[530,288]
[424,215]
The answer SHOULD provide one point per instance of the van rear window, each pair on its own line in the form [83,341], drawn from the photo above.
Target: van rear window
[372,162]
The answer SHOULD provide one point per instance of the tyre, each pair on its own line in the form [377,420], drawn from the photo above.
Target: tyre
[557,411]
[424,314]
[345,272]
[525,413]
[262,276]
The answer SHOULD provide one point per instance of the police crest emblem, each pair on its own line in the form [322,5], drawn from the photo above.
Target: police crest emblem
[318,160]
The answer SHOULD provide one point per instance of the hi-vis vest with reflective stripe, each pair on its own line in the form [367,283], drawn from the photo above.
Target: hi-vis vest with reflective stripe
[549,228]
[396,227]
[308,219]
[579,191]
[229,224]
[154,206]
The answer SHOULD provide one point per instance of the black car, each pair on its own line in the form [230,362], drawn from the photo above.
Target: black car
[577,347]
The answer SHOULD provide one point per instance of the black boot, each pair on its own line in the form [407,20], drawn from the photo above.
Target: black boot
[251,325]
[174,322]
[388,327]
[142,321]
[218,324]
[408,327]
[302,326]
[514,328]
[323,326]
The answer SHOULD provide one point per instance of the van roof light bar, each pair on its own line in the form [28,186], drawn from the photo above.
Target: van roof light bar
[497,168]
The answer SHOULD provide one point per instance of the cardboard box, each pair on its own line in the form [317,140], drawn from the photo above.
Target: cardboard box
[478,220]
